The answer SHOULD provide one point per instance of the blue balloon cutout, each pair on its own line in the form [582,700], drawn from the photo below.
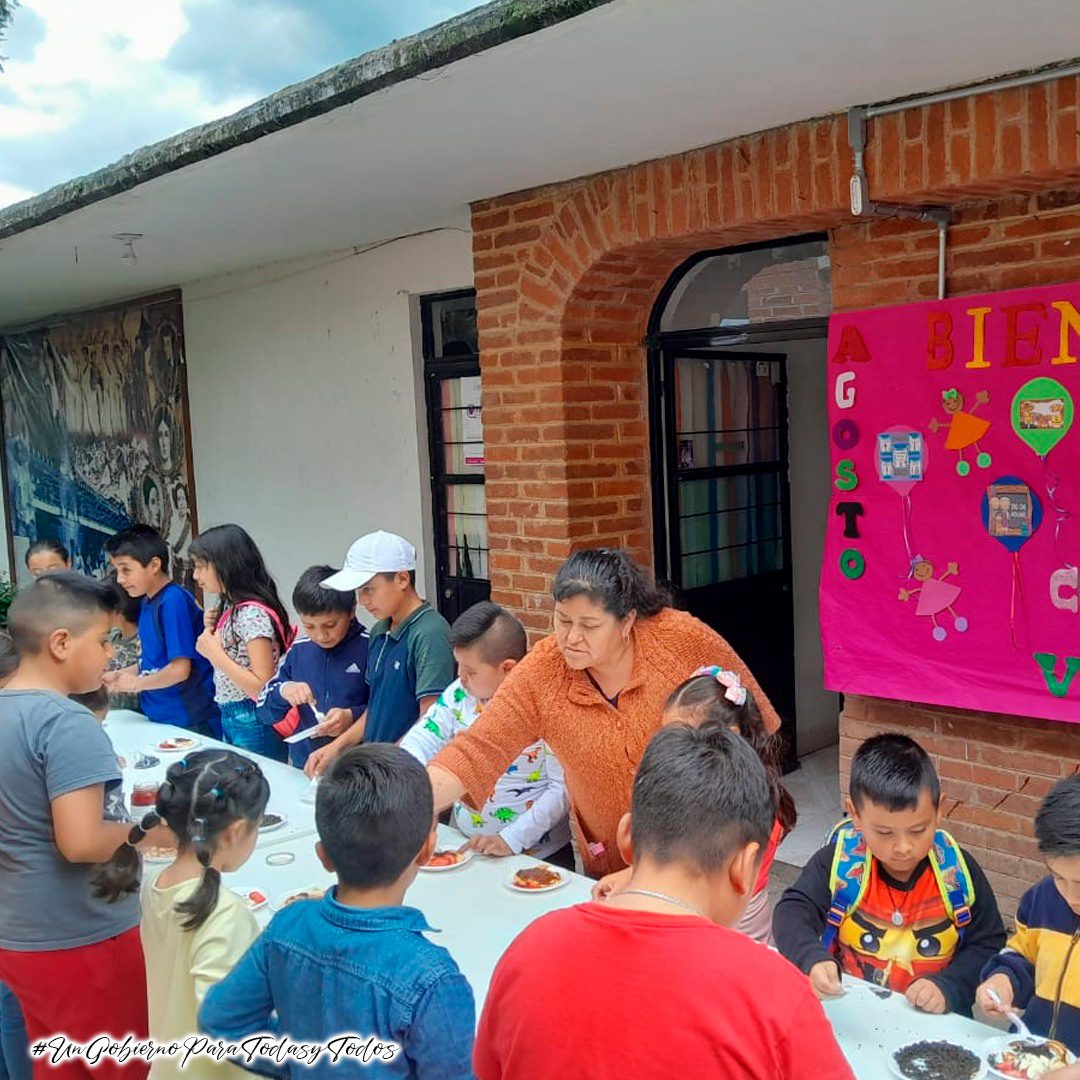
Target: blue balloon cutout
[1015,526]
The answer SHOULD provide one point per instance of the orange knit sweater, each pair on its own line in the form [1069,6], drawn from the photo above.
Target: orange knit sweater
[599,746]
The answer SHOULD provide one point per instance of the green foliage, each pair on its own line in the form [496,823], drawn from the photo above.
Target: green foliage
[7,588]
[7,10]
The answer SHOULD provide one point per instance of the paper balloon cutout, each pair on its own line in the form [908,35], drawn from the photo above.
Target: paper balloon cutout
[1011,512]
[1042,413]
[901,458]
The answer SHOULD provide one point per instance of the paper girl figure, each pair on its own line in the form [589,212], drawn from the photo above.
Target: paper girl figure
[935,595]
[965,428]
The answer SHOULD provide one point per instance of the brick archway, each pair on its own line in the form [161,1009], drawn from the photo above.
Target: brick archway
[566,280]
[566,277]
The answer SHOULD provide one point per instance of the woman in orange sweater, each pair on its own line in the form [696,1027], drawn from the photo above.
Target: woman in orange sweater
[595,692]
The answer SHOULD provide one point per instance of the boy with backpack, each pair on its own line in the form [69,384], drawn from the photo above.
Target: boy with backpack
[892,898]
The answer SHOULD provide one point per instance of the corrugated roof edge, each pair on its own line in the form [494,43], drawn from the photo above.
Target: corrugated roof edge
[463,36]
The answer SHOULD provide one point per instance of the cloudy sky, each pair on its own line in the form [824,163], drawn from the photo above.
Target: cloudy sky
[86,82]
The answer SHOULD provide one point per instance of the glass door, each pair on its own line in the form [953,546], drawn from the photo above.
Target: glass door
[728,506]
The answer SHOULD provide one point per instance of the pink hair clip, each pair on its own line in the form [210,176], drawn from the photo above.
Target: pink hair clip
[734,690]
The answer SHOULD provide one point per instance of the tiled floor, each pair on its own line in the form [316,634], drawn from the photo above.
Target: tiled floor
[815,787]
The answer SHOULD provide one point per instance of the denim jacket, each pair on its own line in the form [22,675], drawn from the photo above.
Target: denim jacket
[327,969]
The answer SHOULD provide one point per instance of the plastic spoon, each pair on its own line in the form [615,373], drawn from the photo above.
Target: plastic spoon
[1021,1028]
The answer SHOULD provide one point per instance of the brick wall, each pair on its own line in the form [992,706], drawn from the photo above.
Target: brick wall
[789,291]
[567,276]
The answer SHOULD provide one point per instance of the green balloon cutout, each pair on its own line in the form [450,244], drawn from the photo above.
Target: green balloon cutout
[1042,413]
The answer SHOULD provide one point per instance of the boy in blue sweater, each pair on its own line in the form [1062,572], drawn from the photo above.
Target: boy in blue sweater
[325,670]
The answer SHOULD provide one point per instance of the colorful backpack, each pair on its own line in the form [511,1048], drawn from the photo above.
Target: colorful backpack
[848,878]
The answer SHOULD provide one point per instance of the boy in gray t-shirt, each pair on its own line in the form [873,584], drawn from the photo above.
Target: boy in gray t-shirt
[72,958]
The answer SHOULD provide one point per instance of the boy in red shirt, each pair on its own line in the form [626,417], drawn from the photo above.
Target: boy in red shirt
[653,981]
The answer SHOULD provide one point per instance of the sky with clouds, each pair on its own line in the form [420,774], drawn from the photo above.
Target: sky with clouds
[87,81]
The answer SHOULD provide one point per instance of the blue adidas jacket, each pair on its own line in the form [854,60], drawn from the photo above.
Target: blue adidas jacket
[336,677]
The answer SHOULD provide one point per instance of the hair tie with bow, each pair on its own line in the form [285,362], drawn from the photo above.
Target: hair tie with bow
[734,691]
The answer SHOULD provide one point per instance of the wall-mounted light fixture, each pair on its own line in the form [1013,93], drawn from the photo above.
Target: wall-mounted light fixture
[128,240]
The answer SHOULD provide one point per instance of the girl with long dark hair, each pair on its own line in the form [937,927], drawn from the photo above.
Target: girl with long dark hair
[245,635]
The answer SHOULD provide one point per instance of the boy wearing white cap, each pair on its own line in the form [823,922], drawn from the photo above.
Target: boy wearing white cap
[410,661]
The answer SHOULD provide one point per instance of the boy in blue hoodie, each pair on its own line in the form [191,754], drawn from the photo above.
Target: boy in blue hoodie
[325,670]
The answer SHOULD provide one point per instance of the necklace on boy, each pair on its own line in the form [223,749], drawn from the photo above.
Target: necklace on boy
[662,896]
[897,915]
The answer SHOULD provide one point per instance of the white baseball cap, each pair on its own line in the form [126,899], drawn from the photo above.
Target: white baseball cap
[377,553]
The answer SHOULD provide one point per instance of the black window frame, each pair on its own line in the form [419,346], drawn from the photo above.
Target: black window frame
[454,593]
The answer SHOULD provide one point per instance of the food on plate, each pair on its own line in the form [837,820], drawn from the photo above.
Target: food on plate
[446,857]
[937,1060]
[253,898]
[1030,1059]
[303,894]
[159,854]
[271,821]
[179,742]
[538,877]
[146,761]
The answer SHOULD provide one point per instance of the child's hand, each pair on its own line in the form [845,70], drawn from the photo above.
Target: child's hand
[1070,1072]
[927,996]
[125,683]
[208,645]
[297,693]
[495,846]
[210,618]
[318,761]
[825,979]
[610,884]
[336,722]
[1004,987]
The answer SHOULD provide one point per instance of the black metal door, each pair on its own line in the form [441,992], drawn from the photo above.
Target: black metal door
[725,474]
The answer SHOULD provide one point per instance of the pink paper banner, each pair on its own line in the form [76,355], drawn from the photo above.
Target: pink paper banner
[950,571]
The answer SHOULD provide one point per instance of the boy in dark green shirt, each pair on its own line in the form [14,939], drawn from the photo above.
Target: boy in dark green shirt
[410,661]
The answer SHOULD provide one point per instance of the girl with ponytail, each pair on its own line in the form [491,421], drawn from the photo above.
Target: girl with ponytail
[194,929]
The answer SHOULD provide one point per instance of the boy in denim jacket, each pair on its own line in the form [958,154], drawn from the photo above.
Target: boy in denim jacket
[356,962]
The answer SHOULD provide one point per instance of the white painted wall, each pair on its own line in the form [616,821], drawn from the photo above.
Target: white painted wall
[307,410]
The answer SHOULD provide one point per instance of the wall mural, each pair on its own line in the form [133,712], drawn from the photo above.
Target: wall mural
[950,573]
[96,432]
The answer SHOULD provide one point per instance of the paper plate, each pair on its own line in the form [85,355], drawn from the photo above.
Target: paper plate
[564,879]
[281,820]
[254,897]
[466,857]
[1000,1042]
[178,745]
[894,1068]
